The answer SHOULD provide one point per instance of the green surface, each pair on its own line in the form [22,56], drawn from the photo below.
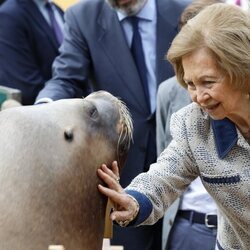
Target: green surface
[9,93]
[3,97]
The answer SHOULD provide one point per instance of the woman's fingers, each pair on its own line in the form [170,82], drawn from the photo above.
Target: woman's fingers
[113,172]
[114,195]
[122,211]
[109,178]
[115,169]
[110,172]
[123,207]
[120,215]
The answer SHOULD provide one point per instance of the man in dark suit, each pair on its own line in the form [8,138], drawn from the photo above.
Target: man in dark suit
[96,55]
[28,46]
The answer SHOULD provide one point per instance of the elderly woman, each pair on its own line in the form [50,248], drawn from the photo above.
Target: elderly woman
[211,136]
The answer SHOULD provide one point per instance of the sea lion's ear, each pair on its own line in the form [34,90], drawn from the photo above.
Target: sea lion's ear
[123,146]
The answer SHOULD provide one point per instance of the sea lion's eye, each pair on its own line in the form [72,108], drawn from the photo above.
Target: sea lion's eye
[93,112]
[90,109]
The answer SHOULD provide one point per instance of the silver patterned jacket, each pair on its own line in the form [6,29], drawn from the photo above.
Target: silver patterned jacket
[218,153]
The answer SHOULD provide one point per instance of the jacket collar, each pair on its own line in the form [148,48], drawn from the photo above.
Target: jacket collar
[32,9]
[225,136]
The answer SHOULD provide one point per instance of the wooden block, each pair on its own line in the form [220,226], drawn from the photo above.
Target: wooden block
[56,247]
[116,248]
[106,244]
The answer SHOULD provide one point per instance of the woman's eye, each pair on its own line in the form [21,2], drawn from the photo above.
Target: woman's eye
[208,82]
[190,84]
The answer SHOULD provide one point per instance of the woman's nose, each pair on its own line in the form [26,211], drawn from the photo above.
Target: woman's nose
[201,96]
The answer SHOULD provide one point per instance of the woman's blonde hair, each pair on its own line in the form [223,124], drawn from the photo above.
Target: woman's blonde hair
[225,30]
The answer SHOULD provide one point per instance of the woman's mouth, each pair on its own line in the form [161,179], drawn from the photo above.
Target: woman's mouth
[210,108]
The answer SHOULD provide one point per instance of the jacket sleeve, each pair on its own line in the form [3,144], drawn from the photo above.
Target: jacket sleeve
[18,63]
[162,111]
[168,178]
[71,67]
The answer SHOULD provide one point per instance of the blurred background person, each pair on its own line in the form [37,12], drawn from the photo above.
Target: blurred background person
[30,33]
[119,46]
[244,4]
[191,221]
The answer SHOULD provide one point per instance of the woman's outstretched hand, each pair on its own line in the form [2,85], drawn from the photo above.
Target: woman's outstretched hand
[125,206]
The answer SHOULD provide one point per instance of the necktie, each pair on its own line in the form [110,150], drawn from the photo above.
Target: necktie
[138,55]
[54,25]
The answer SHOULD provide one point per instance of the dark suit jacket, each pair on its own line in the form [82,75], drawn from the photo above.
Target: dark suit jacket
[27,48]
[95,51]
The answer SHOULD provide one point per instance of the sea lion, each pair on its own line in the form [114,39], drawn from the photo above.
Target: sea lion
[49,157]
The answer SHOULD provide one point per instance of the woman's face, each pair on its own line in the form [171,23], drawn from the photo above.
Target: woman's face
[209,86]
[129,7]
